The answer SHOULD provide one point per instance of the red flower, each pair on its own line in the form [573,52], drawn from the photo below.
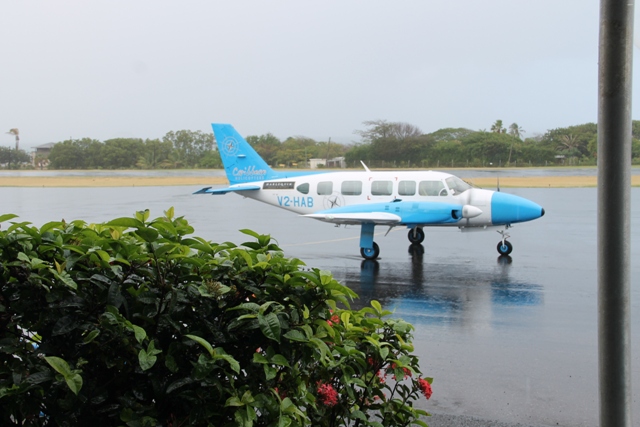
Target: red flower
[327,394]
[381,376]
[282,393]
[335,319]
[425,388]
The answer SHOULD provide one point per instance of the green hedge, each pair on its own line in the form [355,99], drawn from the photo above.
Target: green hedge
[135,322]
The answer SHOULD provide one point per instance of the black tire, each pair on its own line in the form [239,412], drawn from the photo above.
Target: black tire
[506,248]
[370,253]
[418,237]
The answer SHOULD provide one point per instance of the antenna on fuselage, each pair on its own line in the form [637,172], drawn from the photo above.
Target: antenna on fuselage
[365,166]
[498,186]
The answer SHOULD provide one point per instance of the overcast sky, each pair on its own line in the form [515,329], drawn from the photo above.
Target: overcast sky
[107,69]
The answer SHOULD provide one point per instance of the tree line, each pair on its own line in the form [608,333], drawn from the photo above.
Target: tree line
[12,158]
[382,144]
[181,149]
[401,144]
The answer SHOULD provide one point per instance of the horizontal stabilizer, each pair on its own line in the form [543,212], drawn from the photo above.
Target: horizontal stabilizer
[209,190]
[378,218]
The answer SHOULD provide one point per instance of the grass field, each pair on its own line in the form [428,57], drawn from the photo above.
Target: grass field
[119,181]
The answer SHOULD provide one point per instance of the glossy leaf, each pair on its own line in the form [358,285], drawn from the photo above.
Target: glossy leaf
[270,326]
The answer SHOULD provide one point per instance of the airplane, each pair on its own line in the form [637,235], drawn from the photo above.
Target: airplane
[413,199]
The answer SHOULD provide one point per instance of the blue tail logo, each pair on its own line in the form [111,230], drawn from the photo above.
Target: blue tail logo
[241,162]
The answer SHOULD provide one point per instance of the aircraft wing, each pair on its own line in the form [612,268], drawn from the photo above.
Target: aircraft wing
[378,218]
[209,190]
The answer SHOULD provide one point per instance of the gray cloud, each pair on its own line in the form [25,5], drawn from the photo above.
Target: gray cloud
[108,69]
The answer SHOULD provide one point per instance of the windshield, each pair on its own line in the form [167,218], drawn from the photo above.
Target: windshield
[456,185]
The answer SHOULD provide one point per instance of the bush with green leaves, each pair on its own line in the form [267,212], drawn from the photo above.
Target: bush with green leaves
[134,322]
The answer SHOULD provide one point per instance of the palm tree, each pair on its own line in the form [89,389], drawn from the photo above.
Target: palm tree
[497,127]
[570,141]
[571,146]
[515,131]
[15,132]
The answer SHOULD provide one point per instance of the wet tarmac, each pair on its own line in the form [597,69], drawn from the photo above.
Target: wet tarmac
[508,340]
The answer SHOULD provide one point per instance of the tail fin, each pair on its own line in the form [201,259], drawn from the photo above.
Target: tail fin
[241,162]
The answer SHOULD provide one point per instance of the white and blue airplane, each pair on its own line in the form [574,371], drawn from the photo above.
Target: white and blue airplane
[413,199]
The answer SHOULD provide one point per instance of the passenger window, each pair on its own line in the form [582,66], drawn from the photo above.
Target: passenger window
[381,188]
[303,188]
[432,188]
[351,188]
[407,188]
[325,188]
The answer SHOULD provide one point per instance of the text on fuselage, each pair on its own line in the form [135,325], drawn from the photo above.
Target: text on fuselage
[295,202]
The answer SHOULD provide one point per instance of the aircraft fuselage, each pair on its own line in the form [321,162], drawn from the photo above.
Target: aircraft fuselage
[402,192]
[414,199]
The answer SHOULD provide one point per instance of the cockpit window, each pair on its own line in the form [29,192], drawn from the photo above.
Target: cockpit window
[432,188]
[456,185]
[303,188]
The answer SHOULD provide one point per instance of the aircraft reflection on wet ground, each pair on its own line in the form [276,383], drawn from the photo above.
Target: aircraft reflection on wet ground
[423,293]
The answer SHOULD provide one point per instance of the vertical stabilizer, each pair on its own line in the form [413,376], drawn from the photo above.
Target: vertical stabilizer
[241,162]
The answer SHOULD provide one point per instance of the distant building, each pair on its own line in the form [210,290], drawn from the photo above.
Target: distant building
[335,163]
[40,155]
[315,163]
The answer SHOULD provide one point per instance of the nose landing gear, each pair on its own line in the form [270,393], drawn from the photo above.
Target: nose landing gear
[504,246]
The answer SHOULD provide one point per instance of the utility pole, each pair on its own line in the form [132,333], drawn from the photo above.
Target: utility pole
[614,194]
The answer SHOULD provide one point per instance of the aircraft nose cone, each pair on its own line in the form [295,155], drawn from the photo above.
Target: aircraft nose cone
[509,209]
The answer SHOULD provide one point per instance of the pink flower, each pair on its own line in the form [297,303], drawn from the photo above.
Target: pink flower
[327,394]
[425,388]
[381,376]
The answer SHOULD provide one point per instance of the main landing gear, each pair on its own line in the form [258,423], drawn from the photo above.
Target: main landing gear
[368,248]
[504,246]
[416,235]
[370,253]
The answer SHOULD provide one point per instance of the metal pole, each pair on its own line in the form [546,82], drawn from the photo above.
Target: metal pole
[614,193]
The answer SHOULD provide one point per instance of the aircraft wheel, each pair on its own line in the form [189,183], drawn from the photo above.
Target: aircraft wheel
[370,253]
[416,235]
[505,248]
